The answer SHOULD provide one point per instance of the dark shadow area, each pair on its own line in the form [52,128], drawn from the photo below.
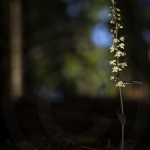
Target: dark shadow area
[55,88]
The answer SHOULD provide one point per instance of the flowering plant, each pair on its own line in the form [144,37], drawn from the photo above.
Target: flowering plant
[117,48]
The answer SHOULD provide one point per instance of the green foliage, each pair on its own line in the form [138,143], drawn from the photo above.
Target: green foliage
[83,73]
[76,71]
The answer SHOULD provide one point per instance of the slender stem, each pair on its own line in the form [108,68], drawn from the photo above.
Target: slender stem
[122,144]
[120,91]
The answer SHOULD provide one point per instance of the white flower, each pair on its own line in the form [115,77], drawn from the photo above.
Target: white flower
[122,39]
[112,48]
[116,69]
[119,53]
[113,62]
[112,78]
[121,45]
[120,84]
[122,64]
[115,41]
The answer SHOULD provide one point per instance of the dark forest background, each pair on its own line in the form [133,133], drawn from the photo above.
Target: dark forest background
[54,72]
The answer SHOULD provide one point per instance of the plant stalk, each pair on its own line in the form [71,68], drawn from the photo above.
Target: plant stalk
[120,91]
[121,100]
[122,143]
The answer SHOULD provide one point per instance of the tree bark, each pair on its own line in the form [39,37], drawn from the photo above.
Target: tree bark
[16,86]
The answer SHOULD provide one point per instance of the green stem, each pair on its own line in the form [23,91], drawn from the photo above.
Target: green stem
[120,91]
[122,144]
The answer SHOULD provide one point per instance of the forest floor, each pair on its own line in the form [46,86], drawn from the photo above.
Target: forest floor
[76,124]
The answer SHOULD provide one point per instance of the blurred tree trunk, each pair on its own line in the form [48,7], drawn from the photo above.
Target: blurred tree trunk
[16,87]
[140,47]
[134,23]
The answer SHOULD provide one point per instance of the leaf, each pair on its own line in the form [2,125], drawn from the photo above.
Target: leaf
[133,82]
[122,118]
[137,82]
